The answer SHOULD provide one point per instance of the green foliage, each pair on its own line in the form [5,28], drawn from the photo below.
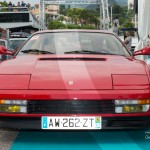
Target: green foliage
[56,25]
[61,18]
[122,13]
[75,14]
[72,26]
[128,23]
[4,4]
[88,27]
[83,16]
[89,19]
[122,20]
[117,9]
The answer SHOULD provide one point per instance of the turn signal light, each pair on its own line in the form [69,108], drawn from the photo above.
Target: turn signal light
[132,102]
[143,101]
[1,101]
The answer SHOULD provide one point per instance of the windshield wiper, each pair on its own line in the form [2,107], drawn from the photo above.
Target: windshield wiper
[36,50]
[89,52]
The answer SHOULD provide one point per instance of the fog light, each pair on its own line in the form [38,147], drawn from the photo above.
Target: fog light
[128,109]
[132,109]
[13,109]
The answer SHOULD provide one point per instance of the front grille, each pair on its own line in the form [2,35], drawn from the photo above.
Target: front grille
[71,107]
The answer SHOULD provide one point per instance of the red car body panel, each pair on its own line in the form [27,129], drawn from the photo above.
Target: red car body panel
[103,74]
[14,82]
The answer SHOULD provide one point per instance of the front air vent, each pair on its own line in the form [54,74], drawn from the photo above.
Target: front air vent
[71,107]
[73,59]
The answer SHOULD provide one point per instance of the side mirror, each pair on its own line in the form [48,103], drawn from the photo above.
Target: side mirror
[144,51]
[5,51]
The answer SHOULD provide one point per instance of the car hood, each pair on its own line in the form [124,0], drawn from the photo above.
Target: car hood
[73,72]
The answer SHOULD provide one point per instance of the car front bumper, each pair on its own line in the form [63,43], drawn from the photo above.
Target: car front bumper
[107,122]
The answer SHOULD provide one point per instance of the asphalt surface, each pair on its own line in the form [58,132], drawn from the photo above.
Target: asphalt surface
[68,140]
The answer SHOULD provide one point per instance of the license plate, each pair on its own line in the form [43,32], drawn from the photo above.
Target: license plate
[71,122]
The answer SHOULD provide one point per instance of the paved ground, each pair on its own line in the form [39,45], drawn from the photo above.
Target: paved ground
[6,139]
[103,140]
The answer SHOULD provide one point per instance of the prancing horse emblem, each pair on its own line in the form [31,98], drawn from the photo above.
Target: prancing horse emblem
[71,83]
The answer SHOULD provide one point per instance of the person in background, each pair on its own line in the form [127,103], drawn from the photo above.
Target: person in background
[23,4]
[10,5]
[128,40]
[115,29]
[28,5]
[32,31]
[148,40]
[18,5]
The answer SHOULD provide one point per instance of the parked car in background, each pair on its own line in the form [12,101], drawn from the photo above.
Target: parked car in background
[74,80]
[19,35]
[3,42]
[16,43]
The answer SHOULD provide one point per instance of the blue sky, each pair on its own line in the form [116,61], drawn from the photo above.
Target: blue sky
[32,2]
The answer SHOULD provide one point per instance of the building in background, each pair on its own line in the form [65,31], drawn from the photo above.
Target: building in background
[51,10]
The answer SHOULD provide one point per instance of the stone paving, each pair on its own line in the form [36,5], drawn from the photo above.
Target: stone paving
[6,138]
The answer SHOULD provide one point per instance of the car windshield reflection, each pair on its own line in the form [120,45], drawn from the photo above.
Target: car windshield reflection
[74,43]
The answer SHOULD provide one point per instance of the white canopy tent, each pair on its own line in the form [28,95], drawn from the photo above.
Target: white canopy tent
[143,25]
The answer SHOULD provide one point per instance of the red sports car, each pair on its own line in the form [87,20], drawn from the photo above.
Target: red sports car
[74,79]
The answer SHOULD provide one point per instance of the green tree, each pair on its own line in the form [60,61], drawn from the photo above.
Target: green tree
[117,9]
[75,14]
[128,24]
[61,18]
[56,25]
[4,4]
[122,20]
[63,10]
[83,16]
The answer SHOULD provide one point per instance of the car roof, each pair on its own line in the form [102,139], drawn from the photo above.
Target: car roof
[74,30]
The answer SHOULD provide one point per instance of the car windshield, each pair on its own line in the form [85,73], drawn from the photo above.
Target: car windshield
[15,44]
[2,43]
[74,43]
